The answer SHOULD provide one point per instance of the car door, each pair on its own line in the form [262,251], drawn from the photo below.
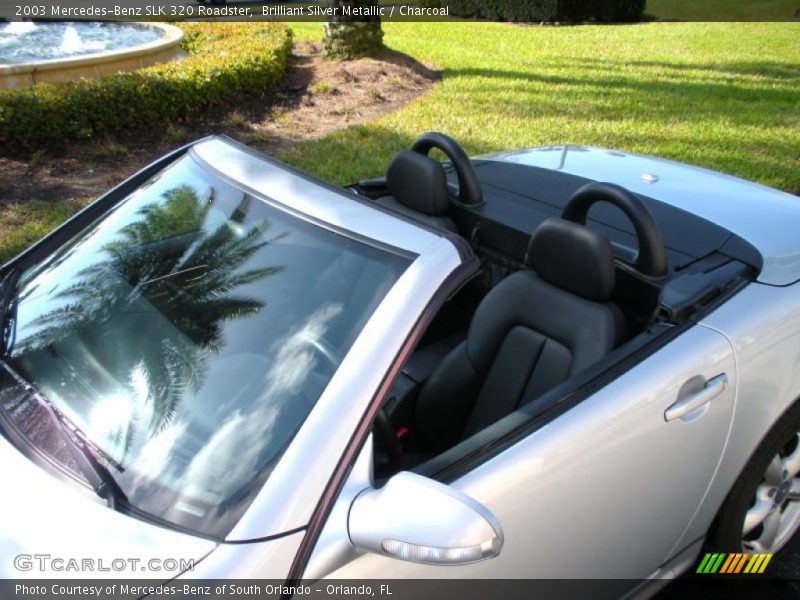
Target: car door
[606,489]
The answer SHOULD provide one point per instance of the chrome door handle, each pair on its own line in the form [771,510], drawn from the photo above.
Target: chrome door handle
[713,388]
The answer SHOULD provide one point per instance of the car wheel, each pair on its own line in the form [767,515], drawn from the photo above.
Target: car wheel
[762,511]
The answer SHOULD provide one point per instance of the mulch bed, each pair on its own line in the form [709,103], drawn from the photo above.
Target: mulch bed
[317,96]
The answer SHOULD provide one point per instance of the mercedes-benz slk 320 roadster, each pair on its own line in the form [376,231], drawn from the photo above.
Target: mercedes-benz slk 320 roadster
[556,362]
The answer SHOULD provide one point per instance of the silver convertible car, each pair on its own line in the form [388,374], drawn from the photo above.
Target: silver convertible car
[549,363]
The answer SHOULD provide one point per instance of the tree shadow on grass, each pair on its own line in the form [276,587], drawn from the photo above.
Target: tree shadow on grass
[654,82]
[768,69]
[731,96]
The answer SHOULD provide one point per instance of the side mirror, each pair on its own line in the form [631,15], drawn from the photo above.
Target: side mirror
[420,520]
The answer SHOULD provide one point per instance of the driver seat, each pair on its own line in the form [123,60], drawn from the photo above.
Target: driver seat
[418,188]
[534,330]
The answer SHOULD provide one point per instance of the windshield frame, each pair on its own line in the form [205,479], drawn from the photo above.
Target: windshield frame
[432,255]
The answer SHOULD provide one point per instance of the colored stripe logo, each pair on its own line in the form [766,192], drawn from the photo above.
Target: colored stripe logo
[733,563]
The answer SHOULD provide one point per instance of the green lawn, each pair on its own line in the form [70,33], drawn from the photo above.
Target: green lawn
[23,224]
[724,96]
[720,95]
[723,10]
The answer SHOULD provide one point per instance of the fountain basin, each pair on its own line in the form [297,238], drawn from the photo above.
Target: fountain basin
[164,48]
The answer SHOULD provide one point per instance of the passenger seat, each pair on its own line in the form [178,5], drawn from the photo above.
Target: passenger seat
[534,330]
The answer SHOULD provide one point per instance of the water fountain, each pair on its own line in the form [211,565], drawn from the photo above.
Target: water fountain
[31,52]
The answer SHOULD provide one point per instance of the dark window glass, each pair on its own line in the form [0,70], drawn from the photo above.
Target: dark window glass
[188,334]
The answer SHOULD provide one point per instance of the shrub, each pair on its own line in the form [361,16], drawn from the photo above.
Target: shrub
[546,11]
[223,60]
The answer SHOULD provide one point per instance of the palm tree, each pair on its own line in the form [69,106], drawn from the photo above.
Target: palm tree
[155,306]
[355,30]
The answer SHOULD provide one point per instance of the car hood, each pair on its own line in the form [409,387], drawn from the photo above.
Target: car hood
[765,217]
[42,515]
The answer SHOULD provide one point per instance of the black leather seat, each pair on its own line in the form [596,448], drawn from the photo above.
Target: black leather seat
[533,330]
[418,188]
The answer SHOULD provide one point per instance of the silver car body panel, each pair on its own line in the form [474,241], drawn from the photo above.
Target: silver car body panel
[269,559]
[763,324]
[765,217]
[42,515]
[634,492]
[607,474]
[333,548]
[292,491]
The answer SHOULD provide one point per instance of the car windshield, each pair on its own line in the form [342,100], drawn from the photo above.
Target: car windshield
[188,333]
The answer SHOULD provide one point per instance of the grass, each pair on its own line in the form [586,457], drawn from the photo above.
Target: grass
[236,120]
[723,10]
[720,95]
[110,148]
[323,88]
[23,224]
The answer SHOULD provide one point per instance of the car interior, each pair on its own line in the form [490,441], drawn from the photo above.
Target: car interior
[576,276]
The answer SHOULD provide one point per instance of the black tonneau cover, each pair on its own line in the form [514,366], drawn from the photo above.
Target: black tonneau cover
[519,197]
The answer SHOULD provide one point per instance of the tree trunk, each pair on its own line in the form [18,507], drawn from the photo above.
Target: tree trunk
[355,30]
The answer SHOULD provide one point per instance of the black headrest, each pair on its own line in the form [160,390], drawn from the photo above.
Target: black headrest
[574,258]
[418,182]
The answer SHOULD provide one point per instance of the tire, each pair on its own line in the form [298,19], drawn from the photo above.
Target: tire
[762,511]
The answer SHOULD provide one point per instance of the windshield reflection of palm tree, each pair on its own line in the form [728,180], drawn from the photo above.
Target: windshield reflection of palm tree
[165,261]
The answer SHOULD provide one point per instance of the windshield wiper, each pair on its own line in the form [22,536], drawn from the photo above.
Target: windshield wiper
[90,458]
